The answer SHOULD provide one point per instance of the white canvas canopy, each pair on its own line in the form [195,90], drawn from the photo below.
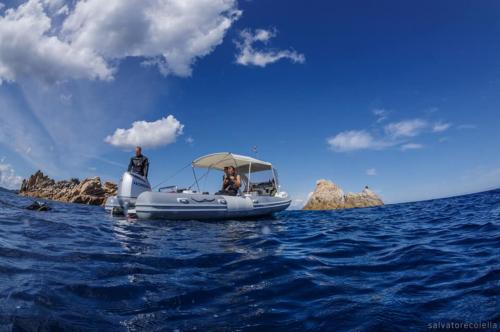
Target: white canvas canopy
[223,159]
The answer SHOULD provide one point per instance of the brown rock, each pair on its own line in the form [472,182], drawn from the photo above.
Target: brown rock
[329,196]
[89,191]
[365,198]
[91,187]
[110,188]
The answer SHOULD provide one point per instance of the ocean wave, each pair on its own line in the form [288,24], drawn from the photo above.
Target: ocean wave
[396,267]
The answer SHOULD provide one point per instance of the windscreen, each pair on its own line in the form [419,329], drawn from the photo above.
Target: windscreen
[262,182]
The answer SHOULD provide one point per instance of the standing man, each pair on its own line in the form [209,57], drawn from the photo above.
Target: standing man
[139,164]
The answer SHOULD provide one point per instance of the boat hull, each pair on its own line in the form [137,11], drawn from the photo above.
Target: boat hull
[178,206]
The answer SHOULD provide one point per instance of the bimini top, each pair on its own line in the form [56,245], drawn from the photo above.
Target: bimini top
[224,159]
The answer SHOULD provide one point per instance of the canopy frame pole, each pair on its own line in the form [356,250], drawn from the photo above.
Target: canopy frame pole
[276,185]
[206,179]
[235,164]
[196,179]
[249,177]
[236,172]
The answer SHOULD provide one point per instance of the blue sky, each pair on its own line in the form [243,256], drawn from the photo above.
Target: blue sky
[401,96]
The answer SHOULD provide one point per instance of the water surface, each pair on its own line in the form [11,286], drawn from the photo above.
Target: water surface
[398,268]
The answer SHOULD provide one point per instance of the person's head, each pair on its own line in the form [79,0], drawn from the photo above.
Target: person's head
[138,151]
[226,170]
[232,170]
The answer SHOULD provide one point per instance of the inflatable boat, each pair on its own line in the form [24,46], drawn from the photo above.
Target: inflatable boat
[254,198]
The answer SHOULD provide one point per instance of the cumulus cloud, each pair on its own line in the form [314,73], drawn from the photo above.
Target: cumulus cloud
[411,146]
[8,177]
[54,42]
[354,140]
[250,55]
[407,128]
[371,172]
[147,134]
[440,127]
[29,48]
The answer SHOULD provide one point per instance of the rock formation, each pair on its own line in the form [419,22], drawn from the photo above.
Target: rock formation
[89,191]
[329,196]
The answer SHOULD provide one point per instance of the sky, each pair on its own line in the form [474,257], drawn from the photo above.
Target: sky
[402,96]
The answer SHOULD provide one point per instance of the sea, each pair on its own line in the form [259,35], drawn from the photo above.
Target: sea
[423,266]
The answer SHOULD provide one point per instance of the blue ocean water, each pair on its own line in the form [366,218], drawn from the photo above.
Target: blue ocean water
[402,267]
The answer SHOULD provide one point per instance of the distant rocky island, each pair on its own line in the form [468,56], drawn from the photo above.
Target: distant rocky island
[88,191]
[328,196]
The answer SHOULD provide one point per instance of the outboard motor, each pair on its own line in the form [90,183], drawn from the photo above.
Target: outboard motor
[130,187]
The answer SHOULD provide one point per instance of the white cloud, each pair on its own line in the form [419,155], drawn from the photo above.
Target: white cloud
[407,128]
[440,127]
[55,6]
[382,137]
[371,172]
[8,177]
[354,140]
[94,34]
[189,140]
[411,146]
[64,10]
[147,134]
[174,33]
[29,49]
[249,55]
[381,114]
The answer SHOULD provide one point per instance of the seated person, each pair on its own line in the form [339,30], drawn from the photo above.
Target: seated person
[231,182]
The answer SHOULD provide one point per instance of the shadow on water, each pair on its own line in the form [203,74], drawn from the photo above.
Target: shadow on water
[396,267]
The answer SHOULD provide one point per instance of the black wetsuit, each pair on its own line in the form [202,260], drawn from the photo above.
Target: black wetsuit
[139,165]
[230,187]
